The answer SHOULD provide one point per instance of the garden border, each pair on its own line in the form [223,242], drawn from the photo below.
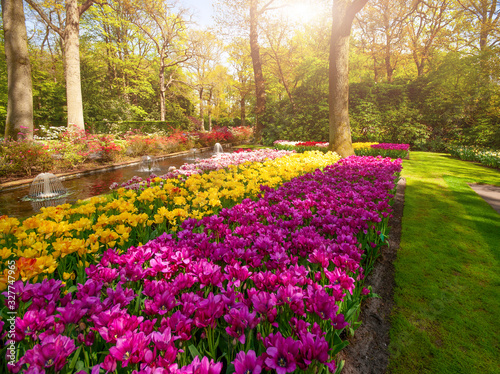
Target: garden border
[7,186]
[368,351]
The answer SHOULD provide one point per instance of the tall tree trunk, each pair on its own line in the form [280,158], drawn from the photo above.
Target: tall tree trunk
[243,111]
[285,85]
[162,89]
[210,110]
[20,95]
[338,98]
[388,67]
[260,89]
[72,59]
[202,112]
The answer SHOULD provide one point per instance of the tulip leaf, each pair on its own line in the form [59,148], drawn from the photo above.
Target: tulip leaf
[337,348]
[230,369]
[340,367]
[194,352]
[138,302]
[72,289]
[79,366]
[75,357]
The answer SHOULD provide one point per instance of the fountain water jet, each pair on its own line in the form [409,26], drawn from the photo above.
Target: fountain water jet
[192,154]
[46,186]
[148,164]
[218,149]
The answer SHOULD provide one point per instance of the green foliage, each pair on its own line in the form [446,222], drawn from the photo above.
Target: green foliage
[403,125]
[310,121]
[365,120]
[49,92]
[486,157]
[145,127]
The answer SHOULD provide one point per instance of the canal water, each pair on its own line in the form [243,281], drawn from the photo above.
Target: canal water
[86,186]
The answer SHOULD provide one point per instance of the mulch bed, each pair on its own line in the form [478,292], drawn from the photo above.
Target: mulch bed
[367,352]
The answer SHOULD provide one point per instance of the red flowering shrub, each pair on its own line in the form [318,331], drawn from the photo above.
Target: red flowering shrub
[241,134]
[217,135]
[24,156]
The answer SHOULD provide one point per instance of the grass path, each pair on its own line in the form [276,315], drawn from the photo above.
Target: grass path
[447,295]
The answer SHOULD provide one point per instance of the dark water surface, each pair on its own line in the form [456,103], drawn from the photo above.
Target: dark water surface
[86,186]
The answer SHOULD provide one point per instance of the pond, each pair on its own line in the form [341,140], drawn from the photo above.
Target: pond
[86,186]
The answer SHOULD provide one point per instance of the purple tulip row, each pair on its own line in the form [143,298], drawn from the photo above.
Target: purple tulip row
[392,146]
[267,284]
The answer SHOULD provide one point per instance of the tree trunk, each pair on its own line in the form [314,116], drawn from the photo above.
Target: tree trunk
[285,85]
[210,110]
[202,112]
[338,98]
[20,95]
[72,59]
[162,89]
[260,89]
[388,67]
[243,111]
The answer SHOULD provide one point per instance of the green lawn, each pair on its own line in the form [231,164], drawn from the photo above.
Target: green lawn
[447,295]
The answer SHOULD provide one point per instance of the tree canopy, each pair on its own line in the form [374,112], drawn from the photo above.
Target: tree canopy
[422,72]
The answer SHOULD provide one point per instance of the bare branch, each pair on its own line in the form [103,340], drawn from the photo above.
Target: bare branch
[86,5]
[45,18]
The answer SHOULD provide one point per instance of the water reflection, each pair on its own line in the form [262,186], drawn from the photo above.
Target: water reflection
[86,186]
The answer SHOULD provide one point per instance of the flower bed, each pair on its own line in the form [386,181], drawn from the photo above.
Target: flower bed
[216,162]
[360,149]
[384,149]
[484,156]
[60,239]
[68,150]
[268,284]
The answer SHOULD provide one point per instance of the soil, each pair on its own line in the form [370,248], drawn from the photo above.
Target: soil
[367,352]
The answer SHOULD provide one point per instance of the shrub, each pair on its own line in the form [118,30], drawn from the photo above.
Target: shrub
[24,156]
[217,135]
[241,134]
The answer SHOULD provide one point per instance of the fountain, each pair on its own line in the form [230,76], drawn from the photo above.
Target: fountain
[148,164]
[192,154]
[46,186]
[218,149]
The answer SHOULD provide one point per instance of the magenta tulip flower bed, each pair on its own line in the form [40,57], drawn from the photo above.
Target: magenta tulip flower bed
[391,150]
[272,284]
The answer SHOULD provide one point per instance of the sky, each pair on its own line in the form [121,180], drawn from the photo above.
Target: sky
[202,10]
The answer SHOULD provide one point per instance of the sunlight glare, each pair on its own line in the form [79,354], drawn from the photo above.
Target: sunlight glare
[302,12]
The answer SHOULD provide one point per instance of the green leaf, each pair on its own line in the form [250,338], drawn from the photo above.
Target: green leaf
[138,302]
[340,367]
[194,352]
[230,369]
[337,348]
[75,357]
[79,365]
[72,289]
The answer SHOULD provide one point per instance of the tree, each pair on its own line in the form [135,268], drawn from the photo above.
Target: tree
[69,34]
[167,32]
[486,15]
[283,52]
[20,94]
[239,57]
[206,55]
[343,12]
[425,27]
[119,56]
[260,86]
[383,22]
